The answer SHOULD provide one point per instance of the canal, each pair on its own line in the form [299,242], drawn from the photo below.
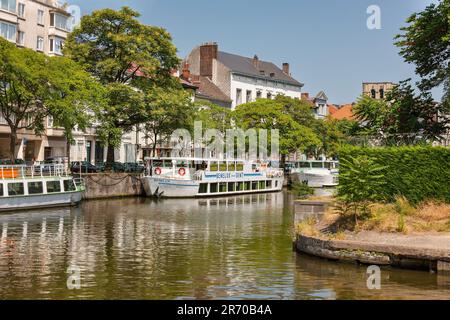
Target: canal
[137,248]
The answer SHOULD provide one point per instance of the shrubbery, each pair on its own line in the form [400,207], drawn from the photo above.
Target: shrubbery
[417,173]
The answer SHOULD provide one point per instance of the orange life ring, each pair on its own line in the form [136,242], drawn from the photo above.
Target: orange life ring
[182,172]
[158,171]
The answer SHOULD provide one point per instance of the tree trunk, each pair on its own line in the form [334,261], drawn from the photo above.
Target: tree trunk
[110,154]
[12,145]
[68,145]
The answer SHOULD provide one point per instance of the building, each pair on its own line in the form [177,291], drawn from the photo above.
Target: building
[319,103]
[377,90]
[345,112]
[41,25]
[239,79]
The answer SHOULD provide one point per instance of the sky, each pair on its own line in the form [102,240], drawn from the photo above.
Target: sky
[327,42]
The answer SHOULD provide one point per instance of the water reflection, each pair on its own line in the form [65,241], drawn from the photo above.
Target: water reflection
[232,248]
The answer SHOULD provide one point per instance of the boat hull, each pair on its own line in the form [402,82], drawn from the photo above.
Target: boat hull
[40,201]
[172,188]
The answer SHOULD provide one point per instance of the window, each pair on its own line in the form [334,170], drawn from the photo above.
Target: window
[69,186]
[247,185]
[231,166]
[240,166]
[374,94]
[21,10]
[203,188]
[8,5]
[213,166]
[268,184]
[240,186]
[231,186]
[56,45]
[258,94]
[213,188]
[35,188]
[53,186]
[381,93]
[58,21]
[223,187]
[248,97]
[222,166]
[8,31]
[15,189]
[40,17]
[238,96]
[269,95]
[21,38]
[40,44]
[254,185]
[1,190]
[262,185]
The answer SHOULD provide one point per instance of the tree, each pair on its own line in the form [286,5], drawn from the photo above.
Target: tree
[167,110]
[404,114]
[426,43]
[330,134]
[118,50]
[34,87]
[272,114]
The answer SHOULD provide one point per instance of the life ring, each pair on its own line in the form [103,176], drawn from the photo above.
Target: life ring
[158,171]
[182,172]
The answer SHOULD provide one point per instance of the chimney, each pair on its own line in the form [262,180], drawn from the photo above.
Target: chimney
[305,96]
[286,68]
[186,73]
[256,61]
[208,52]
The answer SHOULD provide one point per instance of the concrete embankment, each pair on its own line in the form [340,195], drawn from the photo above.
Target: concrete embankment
[112,185]
[418,251]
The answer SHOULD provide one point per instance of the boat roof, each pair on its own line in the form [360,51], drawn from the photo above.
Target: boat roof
[200,159]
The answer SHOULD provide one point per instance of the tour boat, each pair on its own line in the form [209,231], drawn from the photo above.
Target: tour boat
[30,187]
[191,177]
[315,173]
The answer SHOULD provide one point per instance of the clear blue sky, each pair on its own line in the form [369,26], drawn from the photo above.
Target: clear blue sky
[326,42]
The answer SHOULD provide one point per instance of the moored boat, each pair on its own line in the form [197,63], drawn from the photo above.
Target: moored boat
[315,173]
[191,177]
[30,187]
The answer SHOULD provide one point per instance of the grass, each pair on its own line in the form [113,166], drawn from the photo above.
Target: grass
[400,216]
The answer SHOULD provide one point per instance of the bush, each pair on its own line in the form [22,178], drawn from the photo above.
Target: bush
[416,173]
[302,190]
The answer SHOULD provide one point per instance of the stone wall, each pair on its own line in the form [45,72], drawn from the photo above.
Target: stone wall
[112,185]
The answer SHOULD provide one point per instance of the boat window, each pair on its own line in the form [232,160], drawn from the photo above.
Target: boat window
[15,189]
[232,166]
[157,164]
[213,188]
[214,166]
[317,165]
[53,186]
[1,190]
[222,166]
[167,164]
[182,164]
[231,186]
[254,185]
[69,185]
[203,188]
[304,165]
[223,187]
[262,185]
[240,166]
[35,187]
[268,184]
[240,186]
[247,185]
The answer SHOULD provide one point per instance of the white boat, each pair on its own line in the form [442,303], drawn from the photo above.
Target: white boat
[315,173]
[193,177]
[31,187]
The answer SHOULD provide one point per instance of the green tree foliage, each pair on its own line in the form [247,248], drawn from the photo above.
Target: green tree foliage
[274,114]
[425,42]
[402,114]
[358,177]
[213,116]
[34,87]
[119,50]
[167,110]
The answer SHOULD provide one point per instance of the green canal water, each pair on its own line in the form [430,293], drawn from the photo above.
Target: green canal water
[228,248]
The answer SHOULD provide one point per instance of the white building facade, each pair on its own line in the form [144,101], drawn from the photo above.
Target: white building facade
[242,79]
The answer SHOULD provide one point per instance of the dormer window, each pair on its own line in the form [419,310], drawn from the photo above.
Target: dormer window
[272,75]
[262,72]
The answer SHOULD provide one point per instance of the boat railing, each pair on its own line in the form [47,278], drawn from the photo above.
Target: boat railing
[36,171]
